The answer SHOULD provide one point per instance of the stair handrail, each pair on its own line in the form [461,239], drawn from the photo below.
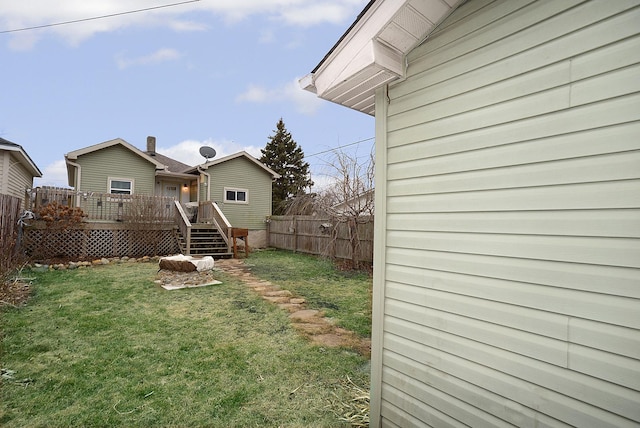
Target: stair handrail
[210,212]
[184,225]
[223,225]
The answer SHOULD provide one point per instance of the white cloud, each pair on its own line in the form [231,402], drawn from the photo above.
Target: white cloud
[321,182]
[23,42]
[311,14]
[188,151]
[305,102]
[267,36]
[185,26]
[54,174]
[257,94]
[22,14]
[161,55]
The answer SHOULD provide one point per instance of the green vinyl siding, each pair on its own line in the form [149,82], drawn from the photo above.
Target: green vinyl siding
[116,162]
[508,172]
[241,173]
[15,177]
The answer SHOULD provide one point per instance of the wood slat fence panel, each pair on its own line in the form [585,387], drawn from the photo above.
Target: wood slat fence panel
[10,207]
[330,237]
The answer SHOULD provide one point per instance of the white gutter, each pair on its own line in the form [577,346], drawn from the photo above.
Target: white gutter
[208,183]
[77,178]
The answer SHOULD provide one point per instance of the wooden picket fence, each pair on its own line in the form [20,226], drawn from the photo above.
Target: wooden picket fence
[330,237]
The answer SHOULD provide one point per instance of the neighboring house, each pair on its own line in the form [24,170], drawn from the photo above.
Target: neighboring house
[116,166]
[241,185]
[507,261]
[17,170]
[360,205]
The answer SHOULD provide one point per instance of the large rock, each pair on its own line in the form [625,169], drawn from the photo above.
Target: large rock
[182,263]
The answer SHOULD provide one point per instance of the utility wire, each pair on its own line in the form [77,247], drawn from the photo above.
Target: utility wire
[340,147]
[75,21]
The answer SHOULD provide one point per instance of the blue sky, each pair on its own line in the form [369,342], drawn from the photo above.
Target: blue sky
[209,72]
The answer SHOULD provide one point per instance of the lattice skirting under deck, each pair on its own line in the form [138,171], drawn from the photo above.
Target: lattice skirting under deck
[97,241]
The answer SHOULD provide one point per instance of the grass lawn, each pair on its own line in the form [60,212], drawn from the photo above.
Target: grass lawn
[106,346]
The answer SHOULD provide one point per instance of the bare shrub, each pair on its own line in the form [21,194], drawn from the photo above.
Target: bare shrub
[143,214]
[60,219]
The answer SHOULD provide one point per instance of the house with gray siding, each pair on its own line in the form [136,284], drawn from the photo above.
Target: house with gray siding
[507,237]
[17,169]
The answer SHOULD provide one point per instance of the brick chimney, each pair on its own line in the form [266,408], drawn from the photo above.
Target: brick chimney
[151,146]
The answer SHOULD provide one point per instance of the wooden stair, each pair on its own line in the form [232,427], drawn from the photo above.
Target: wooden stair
[206,240]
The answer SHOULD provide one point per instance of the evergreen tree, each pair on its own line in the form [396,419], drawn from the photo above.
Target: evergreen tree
[283,155]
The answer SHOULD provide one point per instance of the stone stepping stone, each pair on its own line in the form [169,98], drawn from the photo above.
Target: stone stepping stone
[276,299]
[304,315]
[278,293]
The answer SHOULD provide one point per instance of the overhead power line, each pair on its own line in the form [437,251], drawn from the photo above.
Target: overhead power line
[340,147]
[75,21]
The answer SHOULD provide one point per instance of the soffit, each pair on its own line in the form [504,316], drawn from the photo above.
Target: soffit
[372,52]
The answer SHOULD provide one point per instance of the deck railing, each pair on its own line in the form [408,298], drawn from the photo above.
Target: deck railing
[105,206]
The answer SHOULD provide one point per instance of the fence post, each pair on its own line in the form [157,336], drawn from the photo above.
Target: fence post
[295,234]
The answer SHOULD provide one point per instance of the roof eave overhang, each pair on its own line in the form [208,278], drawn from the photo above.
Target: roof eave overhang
[176,175]
[244,154]
[73,156]
[24,159]
[372,52]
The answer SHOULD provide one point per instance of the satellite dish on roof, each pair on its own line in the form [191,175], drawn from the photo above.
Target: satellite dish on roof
[208,152]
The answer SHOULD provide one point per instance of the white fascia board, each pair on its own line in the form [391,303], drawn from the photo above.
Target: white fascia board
[372,53]
[23,158]
[356,51]
[244,154]
[74,154]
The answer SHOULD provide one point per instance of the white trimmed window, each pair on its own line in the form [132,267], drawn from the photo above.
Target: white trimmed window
[236,196]
[121,186]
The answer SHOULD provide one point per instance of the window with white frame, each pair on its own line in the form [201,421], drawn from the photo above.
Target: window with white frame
[236,196]
[121,186]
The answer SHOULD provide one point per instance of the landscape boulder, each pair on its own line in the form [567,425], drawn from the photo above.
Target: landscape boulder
[182,263]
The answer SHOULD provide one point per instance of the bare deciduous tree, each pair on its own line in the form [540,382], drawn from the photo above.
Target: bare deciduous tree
[348,199]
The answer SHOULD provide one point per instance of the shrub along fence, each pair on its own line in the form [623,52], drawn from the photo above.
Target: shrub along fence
[9,213]
[337,238]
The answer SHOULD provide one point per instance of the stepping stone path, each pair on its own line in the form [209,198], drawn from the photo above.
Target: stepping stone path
[309,322]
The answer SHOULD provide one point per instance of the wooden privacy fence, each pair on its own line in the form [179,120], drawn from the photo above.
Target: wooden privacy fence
[9,214]
[329,237]
[10,207]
